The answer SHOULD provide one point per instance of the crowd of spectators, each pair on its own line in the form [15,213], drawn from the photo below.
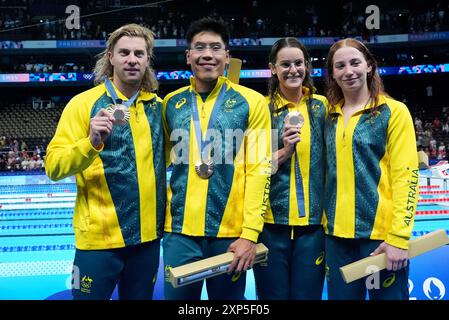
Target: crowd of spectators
[38,67]
[16,156]
[246,18]
[432,136]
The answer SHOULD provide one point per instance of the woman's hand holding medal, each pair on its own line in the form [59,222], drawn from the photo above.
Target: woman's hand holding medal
[292,130]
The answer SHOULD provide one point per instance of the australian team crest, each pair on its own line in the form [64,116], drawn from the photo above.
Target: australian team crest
[153,105]
[86,284]
[229,104]
[316,109]
[373,116]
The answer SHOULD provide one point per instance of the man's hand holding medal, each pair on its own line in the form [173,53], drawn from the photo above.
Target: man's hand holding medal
[100,128]
[120,113]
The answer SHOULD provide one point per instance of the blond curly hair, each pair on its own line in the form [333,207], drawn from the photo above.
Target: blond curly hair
[103,68]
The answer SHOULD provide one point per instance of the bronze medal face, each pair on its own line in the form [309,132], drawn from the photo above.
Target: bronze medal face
[120,114]
[295,118]
[204,169]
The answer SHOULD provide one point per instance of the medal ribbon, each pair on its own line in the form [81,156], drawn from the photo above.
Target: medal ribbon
[202,144]
[299,187]
[115,98]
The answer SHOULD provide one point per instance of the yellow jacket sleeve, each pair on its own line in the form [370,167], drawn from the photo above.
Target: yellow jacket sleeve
[257,168]
[404,172]
[71,151]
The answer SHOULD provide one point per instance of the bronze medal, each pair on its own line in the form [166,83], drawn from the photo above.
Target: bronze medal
[295,118]
[120,113]
[204,169]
